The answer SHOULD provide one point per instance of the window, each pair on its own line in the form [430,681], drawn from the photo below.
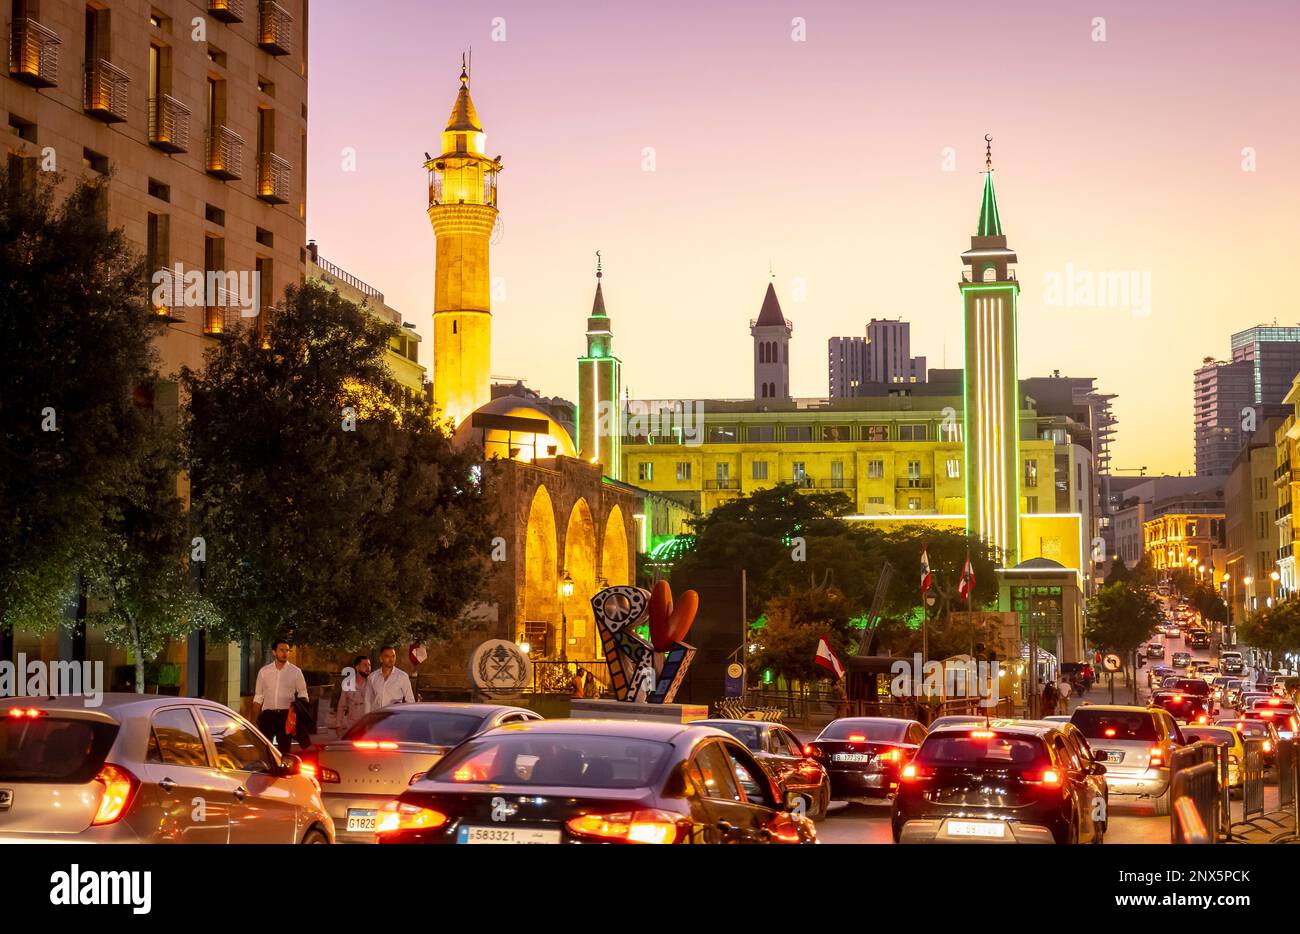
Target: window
[159,190]
[835,433]
[798,474]
[683,470]
[798,433]
[238,748]
[913,433]
[266,87]
[216,56]
[1031,504]
[1031,473]
[877,433]
[837,474]
[645,471]
[762,434]
[265,237]
[913,502]
[23,129]
[722,434]
[913,473]
[214,215]
[95,161]
[711,773]
[175,739]
[875,501]
[1263,524]
[758,470]
[157,245]
[875,470]
[722,471]
[954,468]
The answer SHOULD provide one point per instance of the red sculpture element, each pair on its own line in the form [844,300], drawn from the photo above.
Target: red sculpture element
[669,624]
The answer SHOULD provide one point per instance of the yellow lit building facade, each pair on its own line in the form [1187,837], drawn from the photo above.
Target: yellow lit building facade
[1185,535]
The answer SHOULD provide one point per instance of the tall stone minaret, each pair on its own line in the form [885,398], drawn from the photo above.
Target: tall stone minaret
[600,382]
[463,210]
[992,396]
[771,332]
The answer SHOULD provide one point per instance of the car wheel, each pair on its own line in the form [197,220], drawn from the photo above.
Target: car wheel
[1162,803]
[315,836]
[823,805]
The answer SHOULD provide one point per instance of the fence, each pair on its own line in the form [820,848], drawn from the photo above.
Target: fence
[1252,780]
[556,677]
[1198,785]
[1187,824]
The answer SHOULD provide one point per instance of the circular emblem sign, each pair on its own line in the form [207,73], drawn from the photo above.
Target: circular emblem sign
[499,668]
[1112,662]
[734,670]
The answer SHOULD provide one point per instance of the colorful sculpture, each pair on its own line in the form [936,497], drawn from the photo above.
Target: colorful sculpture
[645,671]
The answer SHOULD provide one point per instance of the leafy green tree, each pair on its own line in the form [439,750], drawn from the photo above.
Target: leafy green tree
[1121,617]
[75,341]
[796,620]
[335,511]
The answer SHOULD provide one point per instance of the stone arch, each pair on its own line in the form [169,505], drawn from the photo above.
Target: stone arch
[580,565]
[541,565]
[615,565]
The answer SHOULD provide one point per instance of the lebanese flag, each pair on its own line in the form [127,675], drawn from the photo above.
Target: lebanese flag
[927,579]
[967,580]
[827,658]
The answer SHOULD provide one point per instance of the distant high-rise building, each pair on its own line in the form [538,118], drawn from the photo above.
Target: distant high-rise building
[882,357]
[771,333]
[1274,354]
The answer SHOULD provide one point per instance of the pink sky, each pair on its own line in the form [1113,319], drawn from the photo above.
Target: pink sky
[825,158]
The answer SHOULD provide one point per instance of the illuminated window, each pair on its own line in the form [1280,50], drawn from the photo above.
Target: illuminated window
[1031,473]
[875,470]
[954,468]
[645,471]
[683,470]
[798,473]
[758,470]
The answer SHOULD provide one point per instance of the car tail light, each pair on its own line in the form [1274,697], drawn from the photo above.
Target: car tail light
[857,738]
[1178,698]
[643,826]
[30,712]
[399,816]
[809,750]
[892,755]
[374,744]
[119,788]
[417,776]
[309,768]
[1268,745]
[1109,732]
[1157,756]
[469,773]
[1051,777]
[981,734]
[1202,719]
[328,776]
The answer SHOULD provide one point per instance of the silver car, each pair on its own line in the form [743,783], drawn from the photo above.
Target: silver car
[144,768]
[1135,744]
[389,749]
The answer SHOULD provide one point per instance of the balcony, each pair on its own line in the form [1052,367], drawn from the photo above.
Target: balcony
[106,91]
[225,154]
[273,178]
[914,483]
[34,54]
[169,124]
[722,484]
[167,295]
[228,11]
[275,29]
[223,319]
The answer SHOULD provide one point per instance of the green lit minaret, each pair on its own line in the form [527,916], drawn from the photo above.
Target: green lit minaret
[600,381]
[992,396]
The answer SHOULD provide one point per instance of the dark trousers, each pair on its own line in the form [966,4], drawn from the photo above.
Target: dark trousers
[273,724]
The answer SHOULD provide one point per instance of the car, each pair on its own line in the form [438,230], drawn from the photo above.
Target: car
[1155,650]
[957,719]
[140,767]
[1232,692]
[790,762]
[1282,714]
[1009,782]
[1135,744]
[1220,688]
[864,755]
[1198,639]
[1172,631]
[1169,682]
[1156,673]
[596,781]
[1184,707]
[388,749]
[1223,736]
[1200,688]
[1256,729]
[1206,671]
[1232,663]
[1181,659]
[1247,698]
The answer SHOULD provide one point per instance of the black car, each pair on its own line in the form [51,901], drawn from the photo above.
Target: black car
[1197,687]
[1182,706]
[1198,639]
[864,755]
[785,758]
[1006,783]
[596,781]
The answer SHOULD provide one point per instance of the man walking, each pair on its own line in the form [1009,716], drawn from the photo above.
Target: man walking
[1063,690]
[278,684]
[388,685]
[352,703]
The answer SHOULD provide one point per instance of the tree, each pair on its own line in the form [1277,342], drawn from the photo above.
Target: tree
[1121,617]
[335,511]
[1273,630]
[75,342]
[796,620]
[142,569]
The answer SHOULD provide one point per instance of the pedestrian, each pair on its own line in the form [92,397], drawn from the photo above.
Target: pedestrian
[352,696]
[388,685]
[579,677]
[1063,689]
[1049,699]
[279,684]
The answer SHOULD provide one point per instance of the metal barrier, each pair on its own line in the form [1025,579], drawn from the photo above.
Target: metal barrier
[1286,773]
[1199,785]
[1187,824]
[1252,780]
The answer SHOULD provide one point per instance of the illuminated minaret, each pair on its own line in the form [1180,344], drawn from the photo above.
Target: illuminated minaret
[992,397]
[600,381]
[463,210]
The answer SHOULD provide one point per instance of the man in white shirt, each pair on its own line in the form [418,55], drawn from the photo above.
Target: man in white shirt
[278,684]
[388,685]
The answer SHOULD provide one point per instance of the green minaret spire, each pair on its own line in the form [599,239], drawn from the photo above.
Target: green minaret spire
[990,224]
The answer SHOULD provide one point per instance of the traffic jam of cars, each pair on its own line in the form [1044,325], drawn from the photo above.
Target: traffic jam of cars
[162,769]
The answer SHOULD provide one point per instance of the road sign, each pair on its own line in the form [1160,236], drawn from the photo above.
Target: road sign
[1112,662]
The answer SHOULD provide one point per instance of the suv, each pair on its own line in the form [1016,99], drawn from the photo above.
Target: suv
[1232,663]
[1185,707]
[1181,659]
[1135,744]
[1198,639]
[1156,650]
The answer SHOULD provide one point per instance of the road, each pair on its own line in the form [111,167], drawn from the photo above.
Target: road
[1132,820]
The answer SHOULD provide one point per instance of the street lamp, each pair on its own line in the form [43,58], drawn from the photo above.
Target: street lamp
[566,591]
[1273,577]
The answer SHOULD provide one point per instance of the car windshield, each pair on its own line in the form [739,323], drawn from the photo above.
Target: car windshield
[435,727]
[1250,727]
[56,750]
[568,760]
[749,734]
[1192,686]
[1116,724]
[871,731]
[1218,737]
[983,749]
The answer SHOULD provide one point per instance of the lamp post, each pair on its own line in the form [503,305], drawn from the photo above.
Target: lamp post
[566,591]
[1273,578]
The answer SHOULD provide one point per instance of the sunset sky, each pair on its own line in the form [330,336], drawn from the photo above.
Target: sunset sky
[825,158]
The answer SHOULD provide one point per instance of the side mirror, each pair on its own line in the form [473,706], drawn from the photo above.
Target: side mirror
[1097,769]
[290,765]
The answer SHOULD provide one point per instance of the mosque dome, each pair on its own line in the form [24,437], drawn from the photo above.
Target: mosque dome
[524,445]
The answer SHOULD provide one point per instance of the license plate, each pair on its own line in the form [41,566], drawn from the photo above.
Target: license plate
[851,757]
[1112,756]
[968,828]
[363,819]
[469,834]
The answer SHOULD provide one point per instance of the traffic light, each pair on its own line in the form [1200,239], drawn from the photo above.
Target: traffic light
[1142,661]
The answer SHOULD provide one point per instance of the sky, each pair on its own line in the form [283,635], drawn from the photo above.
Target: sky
[839,144]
